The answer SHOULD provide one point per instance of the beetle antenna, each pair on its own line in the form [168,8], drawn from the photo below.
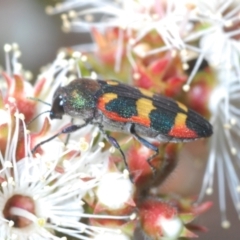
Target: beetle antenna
[38,116]
[39,100]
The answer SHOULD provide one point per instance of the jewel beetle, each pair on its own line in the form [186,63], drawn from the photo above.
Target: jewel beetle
[118,107]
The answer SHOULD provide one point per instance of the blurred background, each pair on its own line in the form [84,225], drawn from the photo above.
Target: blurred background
[39,37]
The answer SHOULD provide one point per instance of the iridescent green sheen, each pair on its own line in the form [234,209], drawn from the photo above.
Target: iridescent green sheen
[124,107]
[162,120]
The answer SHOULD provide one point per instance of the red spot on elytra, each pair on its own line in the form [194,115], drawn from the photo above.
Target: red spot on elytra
[182,132]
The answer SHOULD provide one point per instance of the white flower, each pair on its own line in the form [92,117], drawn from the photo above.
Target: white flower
[171,227]
[168,18]
[224,154]
[207,29]
[115,190]
[218,40]
[173,20]
[219,45]
[12,65]
[39,197]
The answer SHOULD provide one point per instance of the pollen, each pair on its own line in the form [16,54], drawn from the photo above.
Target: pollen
[132,41]
[11,99]
[84,146]
[49,10]
[126,174]
[8,164]
[228,23]
[7,48]
[233,151]
[89,18]
[226,224]
[173,53]
[184,52]
[81,203]
[95,133]
[72,14]
[233,121]
[238,188]
[209,191]
[133,216]
[84,58]
[76,54]
[186,88]
[227,126]
[66,163]
[41,222]
[94,75]
[35,197]
[42,179]
[136,76]
[112,149]
[19,115]
[11,223]
[6,106]
[49,164]
[185,66]
[4,184]
[61,55]
[10,180]
[101,144]
[28,131]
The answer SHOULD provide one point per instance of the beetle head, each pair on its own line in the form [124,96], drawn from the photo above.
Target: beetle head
[57,110]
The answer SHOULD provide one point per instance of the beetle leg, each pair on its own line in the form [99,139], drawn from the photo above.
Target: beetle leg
[68,134]
[65,130]
[114,143]
[146,144]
